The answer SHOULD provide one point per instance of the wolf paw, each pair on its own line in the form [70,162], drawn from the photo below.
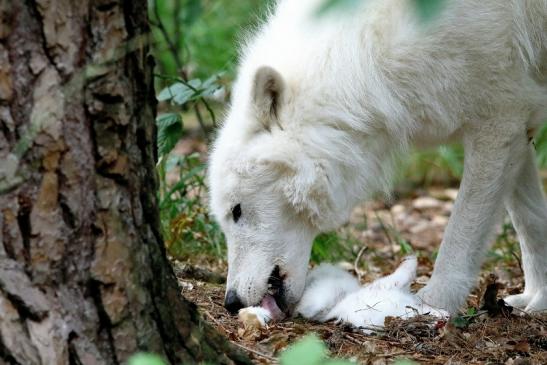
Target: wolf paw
[442,296]
[529,302]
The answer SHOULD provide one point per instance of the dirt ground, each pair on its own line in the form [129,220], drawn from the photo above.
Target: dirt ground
[382,234]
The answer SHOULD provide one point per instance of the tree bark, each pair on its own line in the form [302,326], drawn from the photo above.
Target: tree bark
[84,277]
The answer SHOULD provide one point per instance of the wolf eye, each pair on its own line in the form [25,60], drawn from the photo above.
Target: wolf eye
[236,212]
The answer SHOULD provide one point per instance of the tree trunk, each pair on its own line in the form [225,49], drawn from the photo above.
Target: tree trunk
[84,277]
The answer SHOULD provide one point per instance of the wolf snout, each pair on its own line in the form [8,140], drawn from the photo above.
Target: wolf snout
[232,303]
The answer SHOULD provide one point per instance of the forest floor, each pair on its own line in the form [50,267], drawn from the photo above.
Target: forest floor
[387,232]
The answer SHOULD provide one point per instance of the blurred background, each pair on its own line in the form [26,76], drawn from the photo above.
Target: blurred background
[195,43]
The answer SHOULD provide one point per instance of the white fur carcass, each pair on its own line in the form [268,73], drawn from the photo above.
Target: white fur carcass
[333,294]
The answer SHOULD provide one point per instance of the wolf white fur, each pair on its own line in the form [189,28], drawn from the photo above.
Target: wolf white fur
[326,286]
[322,107]
[368,307]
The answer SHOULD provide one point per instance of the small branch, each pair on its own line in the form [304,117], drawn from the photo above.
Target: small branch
[176,23]
[210,110]
[356,262]
[195,107]
[168,40]
[384,228]
[200,121]
[207,314]
[519,262]
[268,357]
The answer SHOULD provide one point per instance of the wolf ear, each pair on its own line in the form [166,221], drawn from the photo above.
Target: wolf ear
[267,94]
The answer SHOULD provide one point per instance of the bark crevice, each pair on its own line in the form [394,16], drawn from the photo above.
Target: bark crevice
[33,7]
[94,291]
[25,229]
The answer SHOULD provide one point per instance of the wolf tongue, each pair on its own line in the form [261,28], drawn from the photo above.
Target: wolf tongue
[269,303]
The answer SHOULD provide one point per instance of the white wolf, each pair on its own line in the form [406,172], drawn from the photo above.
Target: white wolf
[323,106]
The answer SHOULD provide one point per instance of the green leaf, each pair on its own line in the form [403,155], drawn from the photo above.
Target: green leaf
[460,322]
[181,92]
[170,91]
[428,9]
[452,158]
[145,359]
[211,85]
[167,119]
[540,143]
[406,248]
[170,132]
[308,351]
[191,12]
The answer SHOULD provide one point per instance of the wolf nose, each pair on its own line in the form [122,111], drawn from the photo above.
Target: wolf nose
[232,302]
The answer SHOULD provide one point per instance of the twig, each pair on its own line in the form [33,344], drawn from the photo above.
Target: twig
[178,62]
[168,40]
[518,261]
[210,316]
[176,24]
[356,262]
[200,120]
[384,228]
[394,354]
[272,359]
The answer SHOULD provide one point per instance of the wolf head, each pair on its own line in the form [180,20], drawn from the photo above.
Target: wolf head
[268,192]
[282,170]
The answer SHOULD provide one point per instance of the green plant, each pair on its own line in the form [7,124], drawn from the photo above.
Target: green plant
[143,358]
[443,164]
[310,350]
[198,37]
[186,224]
[395,237]
[540,143]
[332,246]
[183,95]
[506,246]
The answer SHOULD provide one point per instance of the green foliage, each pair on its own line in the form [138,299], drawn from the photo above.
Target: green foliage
[309,351]
[332,246]
[506,246]
[182,92]
[143,358]
[169,132]
[199,36]
[406,247]
[540,142]
[464,320]
[186,224]
[443,165]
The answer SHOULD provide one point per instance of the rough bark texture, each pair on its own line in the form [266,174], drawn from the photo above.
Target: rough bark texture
[83,274]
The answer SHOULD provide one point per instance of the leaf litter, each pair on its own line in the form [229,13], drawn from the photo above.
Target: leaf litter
[487,332]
